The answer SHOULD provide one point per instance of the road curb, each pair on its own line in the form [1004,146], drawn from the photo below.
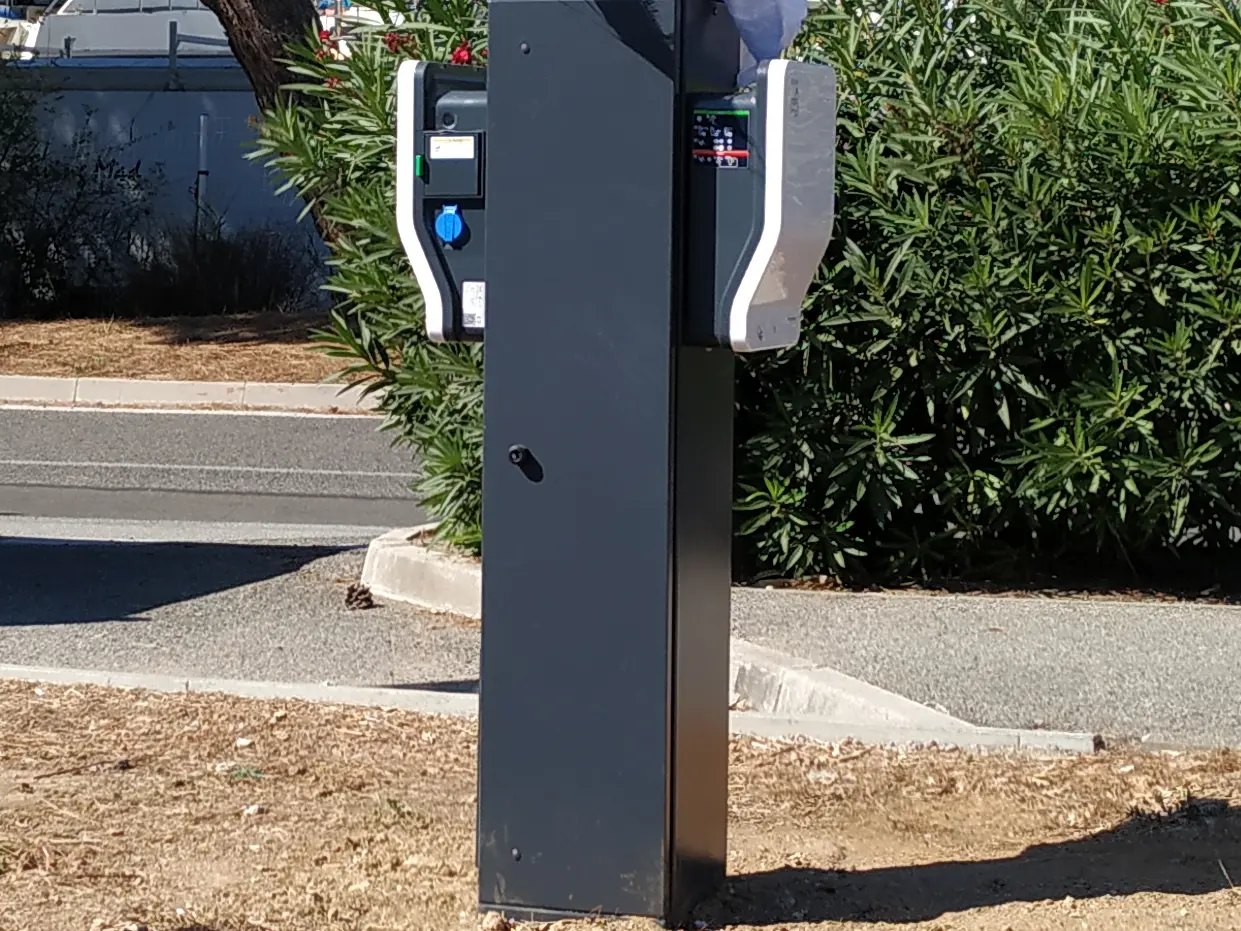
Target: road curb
[424,701]
[137,392]
[398,569]
[824,730]
[790,687]
[466,705]
[789,695]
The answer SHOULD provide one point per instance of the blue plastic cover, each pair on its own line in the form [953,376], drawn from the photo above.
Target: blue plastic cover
[449,225]
[767,28]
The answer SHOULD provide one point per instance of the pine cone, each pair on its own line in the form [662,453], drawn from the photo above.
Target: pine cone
[358,597]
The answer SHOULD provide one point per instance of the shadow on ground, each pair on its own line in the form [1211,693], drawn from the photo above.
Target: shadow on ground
[458,686]
[233,329]
[1192,850]
[55,582]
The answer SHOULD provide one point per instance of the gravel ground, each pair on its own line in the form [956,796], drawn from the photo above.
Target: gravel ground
[269,609]
[1123,669]
[225,610]
[193,812]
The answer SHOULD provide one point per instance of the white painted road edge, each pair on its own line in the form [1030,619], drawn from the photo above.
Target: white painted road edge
[17,530]
[139,392]
[755,724]
[174,411]
[195,467]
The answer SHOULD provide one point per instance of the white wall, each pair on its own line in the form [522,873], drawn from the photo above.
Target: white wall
[160,129]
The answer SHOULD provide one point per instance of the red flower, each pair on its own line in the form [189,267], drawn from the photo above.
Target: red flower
[324,35]
[320,54]
[482,53]
[332,83]
[463,54]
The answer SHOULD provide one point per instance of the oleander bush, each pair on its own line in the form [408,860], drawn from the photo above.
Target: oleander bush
[1023,352]
[334,143]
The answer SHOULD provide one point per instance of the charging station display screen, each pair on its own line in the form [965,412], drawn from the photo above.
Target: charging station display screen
[721,138]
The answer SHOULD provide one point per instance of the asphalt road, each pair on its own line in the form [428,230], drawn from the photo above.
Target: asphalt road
[208,545]
[195,466]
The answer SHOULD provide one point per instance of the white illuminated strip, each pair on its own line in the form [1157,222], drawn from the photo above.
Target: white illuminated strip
[406,143]
[747,290]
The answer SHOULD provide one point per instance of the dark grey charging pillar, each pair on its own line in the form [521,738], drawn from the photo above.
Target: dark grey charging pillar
[607,471]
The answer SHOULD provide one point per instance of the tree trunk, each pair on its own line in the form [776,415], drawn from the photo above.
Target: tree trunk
[259,33]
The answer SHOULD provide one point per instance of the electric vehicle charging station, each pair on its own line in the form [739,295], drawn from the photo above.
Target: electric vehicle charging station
[760,214]
[618,218]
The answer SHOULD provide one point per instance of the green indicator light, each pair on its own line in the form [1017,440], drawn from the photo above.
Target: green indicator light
[722,112]
[417,166]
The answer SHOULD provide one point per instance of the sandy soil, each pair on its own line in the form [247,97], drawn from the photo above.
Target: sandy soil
[264,347]
[214,813]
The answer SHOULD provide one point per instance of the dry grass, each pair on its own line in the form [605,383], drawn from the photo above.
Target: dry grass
[220,814]
[261,347]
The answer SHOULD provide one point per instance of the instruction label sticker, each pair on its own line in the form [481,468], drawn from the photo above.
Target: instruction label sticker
[451,147]
[474,304]
[721,138]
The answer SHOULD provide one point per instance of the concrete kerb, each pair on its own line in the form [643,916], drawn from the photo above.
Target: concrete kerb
[38,388]
[787,686]
[778,695]
[400,569]
[136,391]
[423,701]
[466,705]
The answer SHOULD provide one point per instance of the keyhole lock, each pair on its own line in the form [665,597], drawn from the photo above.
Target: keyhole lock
[526,461]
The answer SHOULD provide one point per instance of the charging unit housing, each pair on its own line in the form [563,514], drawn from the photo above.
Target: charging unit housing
[618,220]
